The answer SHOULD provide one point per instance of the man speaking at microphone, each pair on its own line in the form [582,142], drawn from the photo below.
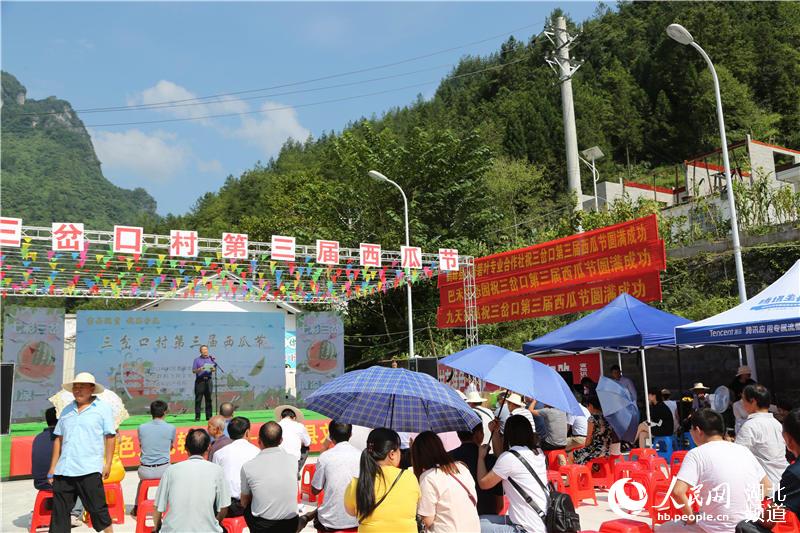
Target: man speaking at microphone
[203,368]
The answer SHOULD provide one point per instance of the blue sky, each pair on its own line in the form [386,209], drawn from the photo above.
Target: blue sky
[116,54]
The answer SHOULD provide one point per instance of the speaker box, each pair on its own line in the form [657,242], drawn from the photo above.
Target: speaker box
[6,390]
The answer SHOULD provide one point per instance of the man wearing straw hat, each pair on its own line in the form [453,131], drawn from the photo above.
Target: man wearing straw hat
[474,399]
[700,398]
[82,453]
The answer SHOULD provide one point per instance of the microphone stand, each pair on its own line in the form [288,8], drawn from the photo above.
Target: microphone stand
[216,398]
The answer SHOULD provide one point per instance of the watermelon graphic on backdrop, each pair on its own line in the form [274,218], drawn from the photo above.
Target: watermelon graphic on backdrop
[36,361]
[322,356]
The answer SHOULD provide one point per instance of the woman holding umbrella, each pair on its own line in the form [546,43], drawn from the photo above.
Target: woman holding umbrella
[598,435]
[383,497]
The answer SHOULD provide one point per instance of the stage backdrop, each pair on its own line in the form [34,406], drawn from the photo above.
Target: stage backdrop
[145,355]
[33,339]
[320,351]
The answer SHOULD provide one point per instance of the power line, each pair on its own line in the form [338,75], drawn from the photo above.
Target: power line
[283,108]
[302,82]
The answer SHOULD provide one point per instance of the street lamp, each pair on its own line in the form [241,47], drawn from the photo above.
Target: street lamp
[374,174]
[682,35]
[592,154]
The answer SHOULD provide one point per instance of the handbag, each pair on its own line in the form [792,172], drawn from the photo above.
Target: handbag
[560,516]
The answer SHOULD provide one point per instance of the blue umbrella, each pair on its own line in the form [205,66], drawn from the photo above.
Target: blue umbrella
[513,371]
[619,409]
[393,398]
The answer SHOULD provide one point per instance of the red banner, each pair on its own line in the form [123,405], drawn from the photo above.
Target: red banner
[595,242]
[129,446]
[567,299]
[635,259]
[581,365]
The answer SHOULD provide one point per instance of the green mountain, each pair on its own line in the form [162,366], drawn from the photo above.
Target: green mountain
[50,172]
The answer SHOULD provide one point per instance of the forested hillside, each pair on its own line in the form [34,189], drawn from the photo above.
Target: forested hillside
[483,166]
[50,170]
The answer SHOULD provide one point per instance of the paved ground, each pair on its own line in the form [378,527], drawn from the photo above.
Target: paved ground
[18,498]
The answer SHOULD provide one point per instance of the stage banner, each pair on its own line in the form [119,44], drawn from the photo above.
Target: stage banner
[566,299]
[601,241]
[626,261]
[320,351]
[33,339]
[148,355]
[291,349]
[581,365]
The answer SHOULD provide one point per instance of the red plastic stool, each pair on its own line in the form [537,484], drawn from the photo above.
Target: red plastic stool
[579,483]
[144,489]
[657,464]
[234,525]
[790,524]
[305,484]
[648,480]
[624,525]
[624,468]
[41,514]
[506,503]
[604,477]
[353,530]
[637,453]
[556,479]
[115,502]
[552,459]
[676,461]
[145,510]
[662,508]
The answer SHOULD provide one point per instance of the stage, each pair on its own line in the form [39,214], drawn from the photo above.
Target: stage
[22,435]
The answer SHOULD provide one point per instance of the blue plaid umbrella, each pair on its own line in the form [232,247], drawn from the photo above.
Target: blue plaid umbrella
[619,409]
[393,398]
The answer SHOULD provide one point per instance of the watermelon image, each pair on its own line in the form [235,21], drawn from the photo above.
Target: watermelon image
[36,361]
[322,356]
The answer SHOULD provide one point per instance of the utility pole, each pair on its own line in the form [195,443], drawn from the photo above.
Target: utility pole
[564,67]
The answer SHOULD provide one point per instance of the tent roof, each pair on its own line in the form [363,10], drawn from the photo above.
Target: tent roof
[624,323]
[771,315]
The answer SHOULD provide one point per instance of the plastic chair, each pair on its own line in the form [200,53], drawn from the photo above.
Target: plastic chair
[687,441]
[662,509]
[305,484]
[115,502]
[664,446]
[676,461]
[790,524]
[144,488]
[506,504]
[579,483]
[648,480]
[234,525]
[624,468]
[637,453]
[656,464]
[41,513]
[145,510]
[604,476]
[552,459]
[556,480]
[624,525]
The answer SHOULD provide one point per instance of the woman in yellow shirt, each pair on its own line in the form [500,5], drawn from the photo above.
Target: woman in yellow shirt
[383,497]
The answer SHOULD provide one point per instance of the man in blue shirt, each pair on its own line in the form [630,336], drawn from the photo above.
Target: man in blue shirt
[156,438]
[41,454]
[82,453]
[203,368]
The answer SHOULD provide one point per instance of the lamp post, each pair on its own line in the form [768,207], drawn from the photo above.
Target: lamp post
[593,154]
[374,174]
[682,36]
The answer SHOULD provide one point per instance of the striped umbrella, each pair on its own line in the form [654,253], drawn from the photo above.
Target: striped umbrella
[393,398]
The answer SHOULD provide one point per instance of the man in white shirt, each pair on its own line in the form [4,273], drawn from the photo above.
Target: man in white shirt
[762,434]
[580,426]
[728,481]
[514,405]
[232,457]
[336,468]
[295,434]
[474,399]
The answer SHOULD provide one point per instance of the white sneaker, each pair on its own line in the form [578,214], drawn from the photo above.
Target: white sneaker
[74,521]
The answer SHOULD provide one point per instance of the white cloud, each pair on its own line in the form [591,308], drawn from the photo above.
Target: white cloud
[179,107]
[153,157]
[270,129]
[209,167]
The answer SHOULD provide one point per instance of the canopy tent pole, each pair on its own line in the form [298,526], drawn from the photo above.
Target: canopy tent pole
[680,378]
[771,370]
[619,360]
[646,396]
[739,349]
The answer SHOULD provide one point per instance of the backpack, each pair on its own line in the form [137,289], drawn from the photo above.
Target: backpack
[560,516]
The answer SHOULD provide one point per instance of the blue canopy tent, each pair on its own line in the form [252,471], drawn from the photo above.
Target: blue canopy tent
[625,325]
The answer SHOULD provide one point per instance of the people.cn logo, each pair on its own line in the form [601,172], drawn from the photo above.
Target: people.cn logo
[626,497]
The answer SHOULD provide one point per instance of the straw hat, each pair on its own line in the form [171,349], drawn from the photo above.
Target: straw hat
[744,370]
[475,397]
[700,386]
[83,377]
[297,412]
[515,398]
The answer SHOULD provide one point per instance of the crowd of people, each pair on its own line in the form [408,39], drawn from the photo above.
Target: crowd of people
[392,482]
